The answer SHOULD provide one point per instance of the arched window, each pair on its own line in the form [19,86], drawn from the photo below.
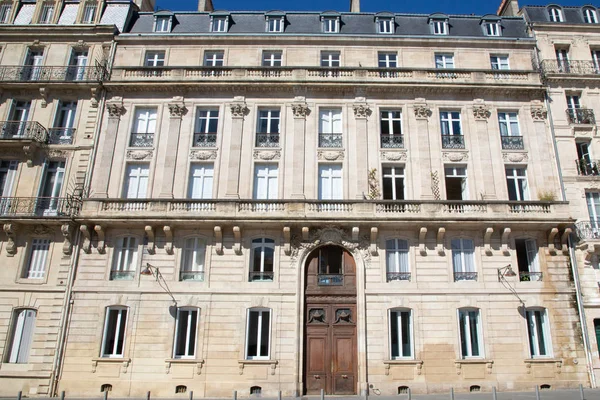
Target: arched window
[263,253]
[401,333]
[469,323]
[590,15]
[21,335]
[555,14]
[192,259]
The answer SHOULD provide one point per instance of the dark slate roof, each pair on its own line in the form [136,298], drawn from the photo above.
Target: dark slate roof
[571,15]
[309,23]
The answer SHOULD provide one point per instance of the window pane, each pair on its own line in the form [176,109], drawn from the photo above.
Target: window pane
[264,340]
[253,334]
[394,342]
[406,336]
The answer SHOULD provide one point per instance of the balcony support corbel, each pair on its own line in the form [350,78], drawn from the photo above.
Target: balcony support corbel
[440,241]
[218,240]
[237,236]
[487,241]
[95,94]
[305,233]
[101,246]
[44,94]
[355,233]
[373,246]
[151,247]
[29,150]
[505,237]
[551,236]
[11,244]
[87,239]
[287,240]
[564,240]
[169,243]
[67,230]
[422,235]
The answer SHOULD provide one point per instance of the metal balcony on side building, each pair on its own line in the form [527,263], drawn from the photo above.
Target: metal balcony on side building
[581,116]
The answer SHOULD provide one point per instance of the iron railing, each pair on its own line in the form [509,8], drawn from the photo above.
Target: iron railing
[141,140]
[267,140]
[61,135]
[70,73]
[398,276]
[586,230]
[191,276]
[330,140]
[205,140]
[577,67]
[330,280]
[39,206]
[512,143]
[453,141]
[465,276]
[392,141]
[261,276]
[581,116]
[587,167]
[17,130]
[528,276]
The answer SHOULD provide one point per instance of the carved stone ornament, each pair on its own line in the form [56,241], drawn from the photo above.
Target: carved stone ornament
[330,155]
[115,110]
[267,155]
[203,155]
[57,154]
[481,112]
[139,154]
[239,110]
[422,111]
[40,230]
[394,155]
[177,110]
[300,110]
[362,110]
[455,157]
[44,95]
[11,244]
[515,157]
[67,230]
[539,114]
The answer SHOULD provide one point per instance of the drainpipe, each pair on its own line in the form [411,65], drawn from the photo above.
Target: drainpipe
[560,175]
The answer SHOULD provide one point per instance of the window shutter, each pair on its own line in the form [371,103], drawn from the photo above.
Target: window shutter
[37,259]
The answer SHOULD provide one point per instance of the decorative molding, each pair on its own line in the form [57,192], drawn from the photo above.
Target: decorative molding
[455,156]
[11,233]
[67,232]
[87,239]
[218,240]
[539,113]
[394,155]
[362,111]
[287,247]
[440,241]
[300,110]
[169,242]
[139,155]
[267,155]
[564,240]
[123,361]
[551,236]
[177,110]
[239,110]
[237,237]
[422,111]
[481,112]
[373,246]
[115,109]
[330,155]
[150,247]
[40,230]
[29,151]
[94,95]
[515,157]
[203,155]
[197,363]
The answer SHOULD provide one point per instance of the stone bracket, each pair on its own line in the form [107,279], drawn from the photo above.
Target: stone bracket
[151,246]
[87,239]
[287,240]
[237,240]
[373,246]
[487,241]
[305,233]
[422,235]
[11,233]
[271,363]
[355,233]
[123,361]
[551,236]
[67,231]
[44,95]
[169,243]
[101,246]
[218,240]
[440,241]
[564,240]
[505,237]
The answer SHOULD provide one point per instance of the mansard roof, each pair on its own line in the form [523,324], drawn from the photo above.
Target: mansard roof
[571,14]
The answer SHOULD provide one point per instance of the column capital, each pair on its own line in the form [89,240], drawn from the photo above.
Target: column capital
[539,113]
[300,110]
[422,111]
[361,111]
[239,110]
[115,109]
[177,110]
[481,112]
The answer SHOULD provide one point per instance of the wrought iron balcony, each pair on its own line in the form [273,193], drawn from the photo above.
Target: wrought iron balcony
[61,135]
[588,167]
[398,276]
[576,67]
[330,280]
[581,116]
[191,276]
[20,130]
[528,276]
[453,141]
[261,276]
[588,230]
[39,207]
[512,143]
[330,140]
[465,276]
[392,141]
[205,140]
[69,73]
[267,140]
[141,140]
[122,275]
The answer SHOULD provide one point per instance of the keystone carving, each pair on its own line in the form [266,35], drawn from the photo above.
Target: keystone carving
[203,155]
[422,111]
[515,157]
[481,112]
[394,155]
[539,114]
[177,110]
[362,110]
[455,157]
[139,154]
[267,155]
[300,110]
[330,155]
[239,110]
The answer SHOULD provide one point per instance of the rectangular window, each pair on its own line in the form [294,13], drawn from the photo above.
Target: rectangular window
[258,333]
[5,11]
[89,13]
[154,59]
[201,181]
[213,58]
[391,129]
[64,122]
[562,60]
[49,201]
[36,262]
[439,27]
[499,62]
[162,24]
[78,66]
[275,24]
[387,60]
[527,260]
[192,260]
[19,115]
[8,170]
[456,183]
[330,182]
[590,16]
[463,259]
[263,258]
[144,127]
[397,264]
[573,102]
[205,130]
[585,166]
[136,181]
[510,133]
[272,58]
[516,180]
[47,14]
[385,25]
[401,334]
[267,131]
[330,128]
[596,60]
[593,205]
[538,329]
[113,340]
[330,59]
[450,123]
[186,324]
[444,61]
[393,183]
[330,25]
[21,336]
[219,24]
[493,29]
[470,333]
[265,182]
[32,69]
[125,259]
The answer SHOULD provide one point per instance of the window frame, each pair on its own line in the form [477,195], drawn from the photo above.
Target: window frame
[125,253]
[272,60]
[333,167]
[516,178]
[398,311]
[113,354]
[590,15]
[5,12]
[385,22]
[509,118]
[272,181]
[213,58]
[444,61]
[261,245]
[467,352]
[447,118]
[194,253]
[555,14]
[492,28]
[385,57]
[259,333]
[397,247]
[329,57]
[142,167]
[439,26]
[203,168]
[275,24]
[326,24]
[188,336]
[392,176]
[89,5]
[162,24]
[221,22]
[47,13]
[464,253]
[17,331]
[533,344]
[501,60]
[43,245]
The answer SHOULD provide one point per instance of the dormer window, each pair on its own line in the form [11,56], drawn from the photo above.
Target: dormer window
[275,23]
[491,27]
[5,10]
[47,13]
[439,24]
[385,25]
[330,24]
[590,16]
[555,14]
[162,23]
[219,23]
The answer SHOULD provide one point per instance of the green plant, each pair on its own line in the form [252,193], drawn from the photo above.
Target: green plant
[546,195]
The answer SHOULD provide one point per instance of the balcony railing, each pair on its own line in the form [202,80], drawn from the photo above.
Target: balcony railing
[19,130]
[528,276]
[33,73]
[330,140]
[392,141]
[39,207]
[512,143]
[587,167]
[588,230]
[267,140]
[122,275]
[191,276]
[330,280]
[61,135]
[398,276]
[453,141]
[141,140]
[465,276]
[576,67]
[581,116]
[205,140]
[261,276]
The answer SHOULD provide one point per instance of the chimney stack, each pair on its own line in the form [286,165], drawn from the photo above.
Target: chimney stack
[146,5]
[355,6]
[205,5]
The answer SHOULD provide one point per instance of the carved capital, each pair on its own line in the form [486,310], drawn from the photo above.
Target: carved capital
[239,110]
[115,110]
[11,233]
[481,112]
[362,111]
[422,111]
[177,110]
[300,110]
[539,114]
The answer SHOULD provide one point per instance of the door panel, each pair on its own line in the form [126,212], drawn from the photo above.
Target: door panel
[316,370]
[343,362]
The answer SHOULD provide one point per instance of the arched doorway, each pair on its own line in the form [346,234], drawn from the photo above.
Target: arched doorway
[330,357]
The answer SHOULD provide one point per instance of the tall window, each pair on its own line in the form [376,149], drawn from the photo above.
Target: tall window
[205,130]
[258,334]
[330,24]
[267,133]
[89,13]
[385,25]
[444,61]
[330,182]
[144,127]
[499,62]
[510,133]
[492,28]
[125,259]
[19,115]
[439,26]
[77,65]
[275,24]
[162,24]
[5,11]
[387,60]
[555,14]
[539,332]
[527,260]
[562,60]
[32,70]
[391,129]
[272,58]
[456,183]
[47,13]
[49,202]
[330,128]
[21,336]
[573,102]
[397,264]
[393,183]
[266,182]
[596,60]
[452,137]
[64,123]
[192,259]
[590,16]
[36,261]
[8,170]
[516,180]
[593,205]
[213,58]
[469,322]
[201,181]
[154,58]
[585,166]
[186,325]
[219,24]
[263,253]
[113,340]
[401,333]
[136,181]
[463,259]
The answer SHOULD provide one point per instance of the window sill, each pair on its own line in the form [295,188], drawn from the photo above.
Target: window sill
[32,281]
[473,361]
[107,360]
[531,361]
[271,363]
[417,363]
[170,361]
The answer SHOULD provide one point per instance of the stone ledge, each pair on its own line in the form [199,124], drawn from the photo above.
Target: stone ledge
[170,361]
[557,361]
[473,361]
[106,360]
[417,363]
[244,363]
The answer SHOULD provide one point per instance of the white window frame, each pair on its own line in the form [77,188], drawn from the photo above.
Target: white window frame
[125,257]
[467,255]
[330,58]
[272,58]
[122,314]
[214,58]
[555,14]
[333,180]
[399,251]
[515,179]
[193,258]
[573,101]
[259,331]
[266,177]
[510,121]
[387,59]
[458,172]
[439,26]
[154,58]
[37,259]
[46,13]
[448,118]
[274,24]
[260,245]
[396,313]
[5,12]
[219,24]
[596,60]
[492,28]
[272,116]
[205,174]
[162,23]
[330,24]
[385,25]
[444,61]
[535,316]
[396,171]
[499,62]
[8,167]
[469,339]
[89,12]
[191,332]
[592,200]
[590,16]
[387,118]
[136,171]
[21,335]
[212,114]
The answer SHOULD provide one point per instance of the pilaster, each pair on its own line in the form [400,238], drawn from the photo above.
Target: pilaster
[301,111]
[425,172]
[176,112]
[362,111]
[104,163]
[239,110]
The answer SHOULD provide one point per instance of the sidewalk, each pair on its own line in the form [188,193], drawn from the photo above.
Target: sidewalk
[589,394]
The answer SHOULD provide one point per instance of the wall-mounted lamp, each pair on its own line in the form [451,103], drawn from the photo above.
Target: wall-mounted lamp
[502,274]
[151,270]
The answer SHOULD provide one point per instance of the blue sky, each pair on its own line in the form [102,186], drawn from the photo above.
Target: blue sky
[423,6]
